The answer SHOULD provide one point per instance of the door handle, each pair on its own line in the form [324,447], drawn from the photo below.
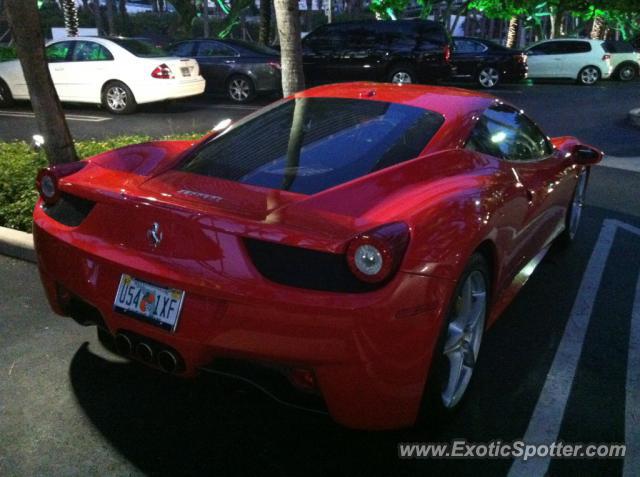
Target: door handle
[530,195]
[229,61]
[58,68]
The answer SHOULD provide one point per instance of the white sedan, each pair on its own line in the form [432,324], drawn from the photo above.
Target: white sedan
[118,73]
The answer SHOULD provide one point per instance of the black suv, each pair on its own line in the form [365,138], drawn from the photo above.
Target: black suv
[403,51]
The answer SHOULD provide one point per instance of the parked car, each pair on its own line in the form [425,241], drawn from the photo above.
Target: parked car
[403,51]
[238,68]
[344,250]
[583,60]
[486,62]
[625,60]
[118,73]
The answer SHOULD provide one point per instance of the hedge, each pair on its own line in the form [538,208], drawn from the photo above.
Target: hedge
[19,165]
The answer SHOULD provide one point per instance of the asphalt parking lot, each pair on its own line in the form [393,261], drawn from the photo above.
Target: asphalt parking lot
[570,341]
[596,114]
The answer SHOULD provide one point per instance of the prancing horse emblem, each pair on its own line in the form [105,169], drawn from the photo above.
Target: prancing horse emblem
[154,235]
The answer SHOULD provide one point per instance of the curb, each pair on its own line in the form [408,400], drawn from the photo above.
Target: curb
[634,117]
[17,244]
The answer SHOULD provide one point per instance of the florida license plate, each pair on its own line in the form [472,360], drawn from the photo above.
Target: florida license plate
[156,305]
[186,71]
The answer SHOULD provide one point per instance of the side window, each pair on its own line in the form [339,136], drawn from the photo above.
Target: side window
[360,36]
[508,134]
[90,51]
[330,37]
[572,47]
[548,48]
[59,51]
[182,49]
[469,46]
[213,48]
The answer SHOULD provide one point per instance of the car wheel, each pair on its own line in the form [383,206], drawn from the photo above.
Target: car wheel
[402,74]
[627,72]
[574,211]
[488,77]
[6,98]
[117,98]
[241,89]
[458,348]
[589,75]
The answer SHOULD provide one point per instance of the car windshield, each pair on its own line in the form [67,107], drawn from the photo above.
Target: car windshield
[140,48]
[307,145]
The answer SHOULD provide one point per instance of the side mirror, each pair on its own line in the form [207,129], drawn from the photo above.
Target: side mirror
[586,155]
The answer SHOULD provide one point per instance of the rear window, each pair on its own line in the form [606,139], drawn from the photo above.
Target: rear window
[140,48]
[311,144]
[254,47]
[611,46]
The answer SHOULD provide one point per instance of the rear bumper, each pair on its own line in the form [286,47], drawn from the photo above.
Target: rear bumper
[370,352]
[163,90]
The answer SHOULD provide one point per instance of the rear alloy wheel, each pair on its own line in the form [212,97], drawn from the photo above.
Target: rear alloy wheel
[6,99]
[117,98]
[574,212]
[456,354]
[589,75]
[240,89]
[402,75]
[627,72]
[488,77]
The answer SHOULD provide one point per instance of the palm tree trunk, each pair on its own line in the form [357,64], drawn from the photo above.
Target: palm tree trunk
[70,12]
[288,20]
[24,21]
[110,17]
[95,7]
[265,22]
[512,35]
[205,18]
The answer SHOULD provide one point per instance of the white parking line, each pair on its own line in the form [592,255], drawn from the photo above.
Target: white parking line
[632,403]
[70,117]
[545,422]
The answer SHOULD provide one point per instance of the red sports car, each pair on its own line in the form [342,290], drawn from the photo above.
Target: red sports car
[345,248]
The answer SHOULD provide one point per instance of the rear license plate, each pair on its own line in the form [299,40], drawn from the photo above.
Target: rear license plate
[156,305]
[186,71]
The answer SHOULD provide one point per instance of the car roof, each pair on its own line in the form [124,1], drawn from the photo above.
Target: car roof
[446,101]
[590,40]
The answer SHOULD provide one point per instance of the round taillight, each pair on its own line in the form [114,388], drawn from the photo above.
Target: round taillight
[368,259]
[47,184]
[375,255]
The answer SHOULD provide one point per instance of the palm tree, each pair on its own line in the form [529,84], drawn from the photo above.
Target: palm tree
[24,21]
[70,12]
[265,22]
[288,20]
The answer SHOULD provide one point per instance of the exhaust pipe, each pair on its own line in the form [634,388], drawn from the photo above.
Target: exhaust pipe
[144,352]
[167,361]
[123,344]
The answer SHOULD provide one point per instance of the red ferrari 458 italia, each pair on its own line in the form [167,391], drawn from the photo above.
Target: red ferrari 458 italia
[345,248]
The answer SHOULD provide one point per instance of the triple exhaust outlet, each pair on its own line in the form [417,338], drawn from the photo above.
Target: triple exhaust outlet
[166,359]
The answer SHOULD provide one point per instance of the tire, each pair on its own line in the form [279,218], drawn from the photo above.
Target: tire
[402,74]
[488,77]
[589,75]
[627,72]
[117,98]
[574,211]
[444,393]
[6,98]
[240,88]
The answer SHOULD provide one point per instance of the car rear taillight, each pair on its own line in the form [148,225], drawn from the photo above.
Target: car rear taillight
[521,58]
[162,72]
[47,179]
[606,57]
[447,53]
[275,65]
[374,256]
